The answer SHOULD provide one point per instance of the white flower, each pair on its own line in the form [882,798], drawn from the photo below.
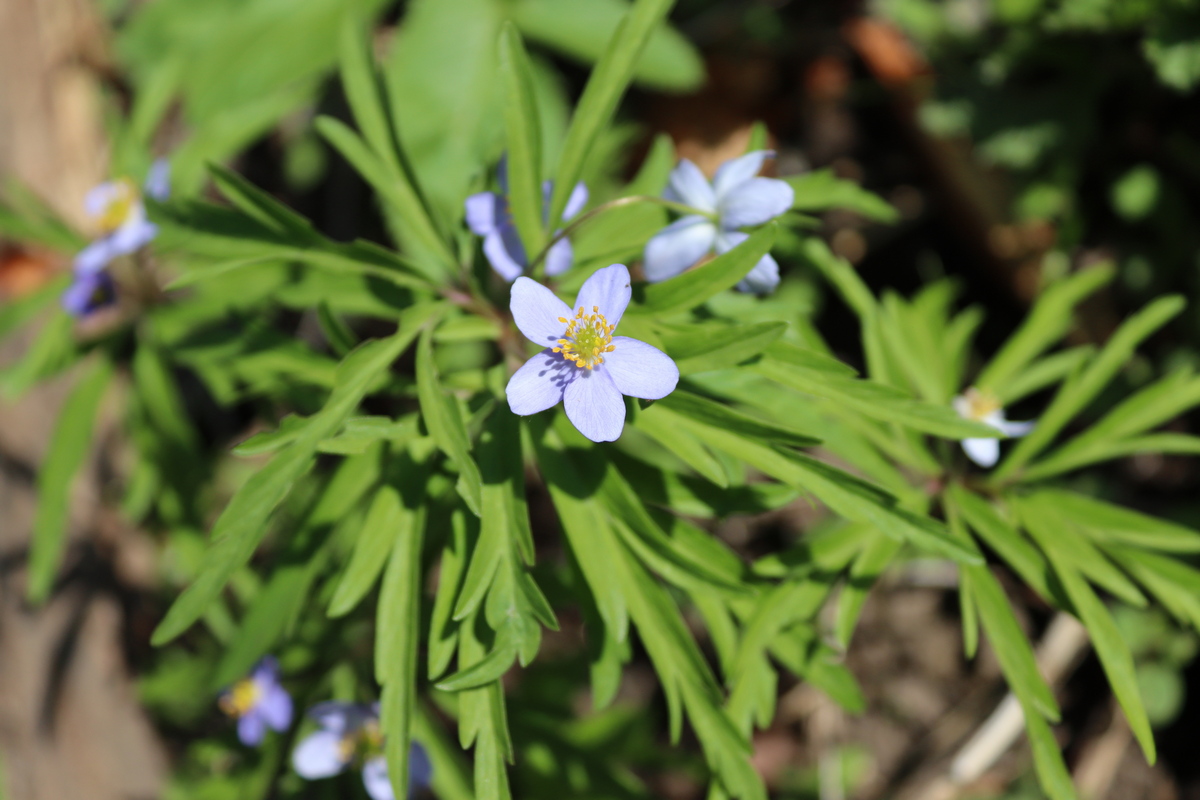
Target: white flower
[982,406]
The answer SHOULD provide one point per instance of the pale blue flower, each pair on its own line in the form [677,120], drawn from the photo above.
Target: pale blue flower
[488,215]
[120,215]
[584,365]
[734,199]
[258,702]
[982,406]
[349,735]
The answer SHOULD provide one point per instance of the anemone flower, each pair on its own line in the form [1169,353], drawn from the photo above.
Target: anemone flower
[734,199]
[488,215]
[583,364]
[120,215]
[982,406]
[348,735]
[258,702]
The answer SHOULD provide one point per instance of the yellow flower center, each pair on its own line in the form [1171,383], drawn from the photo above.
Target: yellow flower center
[587,338]
[978,405]
[241,697]
[117,209]
[362,742]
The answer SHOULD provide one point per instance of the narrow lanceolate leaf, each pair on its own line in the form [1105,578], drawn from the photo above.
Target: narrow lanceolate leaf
[1009,641]
[1046,324]
[445,424]
[361,81]
[604,89]
[243,523]
[1106,638]
[718,415]
[397,639]
[1083,387]
[68,448]
[383,524]
[1106,523]
[522,122]
[867,568]
[821,189]
[482,718]
[703,348]
[697,285]
[443,631]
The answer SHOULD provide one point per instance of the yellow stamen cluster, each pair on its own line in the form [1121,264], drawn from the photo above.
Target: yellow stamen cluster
[362,742]
[119,206]
[978,405]
[587,338]
[241,697]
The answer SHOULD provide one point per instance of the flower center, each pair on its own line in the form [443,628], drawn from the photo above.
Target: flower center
[976,405]
[243,696]
[362,742]
[587,338]
[117,209]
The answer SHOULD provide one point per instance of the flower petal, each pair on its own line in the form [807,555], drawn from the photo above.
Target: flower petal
[608,290]
[559,258]
[319,755]
[737,171]
[158,180]
[375,778]
[687,185]
[95,256]
[677,247]
[98,197]
[251,728]
[484,210]
[576,202]
[266,671]
[754,202]
[339,717]
[504,252]
[276,707]
[595,406]
[639,369]
[134,234]
[536,310]
[539,383]
[88,292]
[762,279]
[420,768]
[1016,429]
[984,452]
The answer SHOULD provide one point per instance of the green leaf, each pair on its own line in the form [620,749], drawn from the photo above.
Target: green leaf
[396,192]
[383,524]
[1108,438]
[524,156]
[1171,581]
[581,29]
[482,721]
[683,444]
[1083,388]
[1048,322]
[243,523]
[1045,521]
[870,564]
[397,637]
[18,311]
[1043,372]
[1003,537]
[52,351]
[443,631]
[821,190]
[702,348]
[848,496]
[693,287]
[1106,638]
[445,424]
[875,400]
[1110,523]
[604,89]
[487,669]
[69,446]
[712,413]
